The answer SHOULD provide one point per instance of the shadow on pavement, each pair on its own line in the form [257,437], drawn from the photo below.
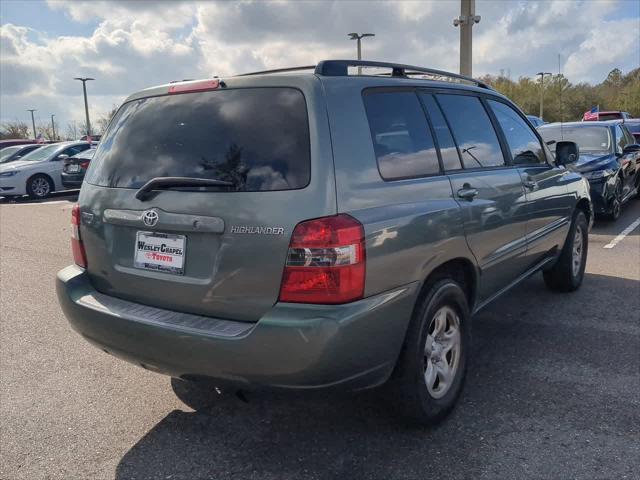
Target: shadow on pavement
[549,394]
[70,195]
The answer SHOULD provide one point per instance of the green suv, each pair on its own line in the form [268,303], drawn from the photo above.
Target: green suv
[309,228]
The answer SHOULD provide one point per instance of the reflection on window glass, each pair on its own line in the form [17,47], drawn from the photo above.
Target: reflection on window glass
[523,143]
[256,138]
[472,130]
[592,139]
[401,137]
[448,150]
[621,140]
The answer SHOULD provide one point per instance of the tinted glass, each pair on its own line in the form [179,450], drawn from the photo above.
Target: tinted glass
[75,149]
[589,139]
[256,138]
[86,155]
[621,140]
[472,130]
[8,151]
[401,136]
[633,127]
[609,116]
[523,143]
[41,153]
[448,150]
[627,134]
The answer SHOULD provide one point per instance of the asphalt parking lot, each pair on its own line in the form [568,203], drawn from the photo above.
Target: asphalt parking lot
[553,390]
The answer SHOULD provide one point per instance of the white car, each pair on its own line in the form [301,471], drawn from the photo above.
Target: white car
[37,174]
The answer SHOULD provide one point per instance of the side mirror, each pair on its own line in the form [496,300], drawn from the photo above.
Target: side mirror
[633,148]
[61,157]
[566,152]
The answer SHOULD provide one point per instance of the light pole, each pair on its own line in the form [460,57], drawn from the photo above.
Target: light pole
[542,75]
[466,21]
[33,122]
[359,37]
[53,128]
[86,105]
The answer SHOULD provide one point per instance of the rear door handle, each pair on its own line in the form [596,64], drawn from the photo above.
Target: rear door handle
[467,193]
[530,184]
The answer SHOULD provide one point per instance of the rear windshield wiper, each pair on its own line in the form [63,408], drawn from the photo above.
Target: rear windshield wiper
[159,183]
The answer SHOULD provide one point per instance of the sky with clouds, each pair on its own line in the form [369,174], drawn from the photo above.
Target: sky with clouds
[129,45]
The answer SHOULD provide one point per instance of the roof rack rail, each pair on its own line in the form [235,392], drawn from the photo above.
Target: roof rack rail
[339,68]
[278,70]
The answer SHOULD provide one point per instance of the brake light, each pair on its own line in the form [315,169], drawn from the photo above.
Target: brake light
[77,248]
[191,87]
[84,165]
[325,262]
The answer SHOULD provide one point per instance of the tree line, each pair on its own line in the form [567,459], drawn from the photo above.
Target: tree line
[72,131]
[564,101]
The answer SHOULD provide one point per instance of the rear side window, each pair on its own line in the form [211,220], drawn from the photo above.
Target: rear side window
[523,143]
[256,138]
[401,137]
[621,140]
[472,130]
[71,151]
[448,150]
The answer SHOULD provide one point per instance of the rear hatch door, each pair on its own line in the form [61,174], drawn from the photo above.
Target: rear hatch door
[216,250]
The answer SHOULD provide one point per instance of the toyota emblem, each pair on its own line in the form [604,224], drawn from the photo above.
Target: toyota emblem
[150,218]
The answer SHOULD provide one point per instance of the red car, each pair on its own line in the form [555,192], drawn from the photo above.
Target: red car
[604,116]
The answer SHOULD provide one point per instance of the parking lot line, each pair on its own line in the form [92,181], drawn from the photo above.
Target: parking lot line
[623,234]
[55,202]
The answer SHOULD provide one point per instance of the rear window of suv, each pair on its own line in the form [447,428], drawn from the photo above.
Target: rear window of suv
[256,138]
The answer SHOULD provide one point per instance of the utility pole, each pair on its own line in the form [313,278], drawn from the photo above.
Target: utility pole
[33,122]
[359,37]
[86,105]
[465,21]
[53,128]
[560,85]
[542,75]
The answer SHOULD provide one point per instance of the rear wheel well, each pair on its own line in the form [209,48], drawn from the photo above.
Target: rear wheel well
[53,184]
[459,269]
[583,204]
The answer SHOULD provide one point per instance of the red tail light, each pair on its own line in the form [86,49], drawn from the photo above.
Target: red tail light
[85,164]
[79,255]
[325,262]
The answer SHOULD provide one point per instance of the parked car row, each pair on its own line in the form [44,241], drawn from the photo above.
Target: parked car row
[609,158]
[39,172]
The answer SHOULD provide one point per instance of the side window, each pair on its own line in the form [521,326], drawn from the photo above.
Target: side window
[621,140]
[472,130]
[71,151]
[523,143]
[401,136]
[448,150]
[630,138]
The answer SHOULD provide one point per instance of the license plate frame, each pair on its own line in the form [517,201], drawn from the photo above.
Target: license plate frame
[73,168]
[160,252]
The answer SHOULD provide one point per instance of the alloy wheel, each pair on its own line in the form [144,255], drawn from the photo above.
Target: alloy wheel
[40,187]
[442,351]
[577,251]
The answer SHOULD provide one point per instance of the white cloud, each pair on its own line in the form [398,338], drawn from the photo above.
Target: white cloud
[142,43]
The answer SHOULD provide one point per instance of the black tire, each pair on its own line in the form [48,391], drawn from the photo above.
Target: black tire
[409,382]
[563,277]
[39,186]
[616,202]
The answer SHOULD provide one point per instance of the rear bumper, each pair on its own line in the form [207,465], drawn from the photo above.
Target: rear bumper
[301,346]
[72,180]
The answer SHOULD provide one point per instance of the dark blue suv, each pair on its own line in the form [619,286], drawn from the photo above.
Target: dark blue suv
[609,158]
